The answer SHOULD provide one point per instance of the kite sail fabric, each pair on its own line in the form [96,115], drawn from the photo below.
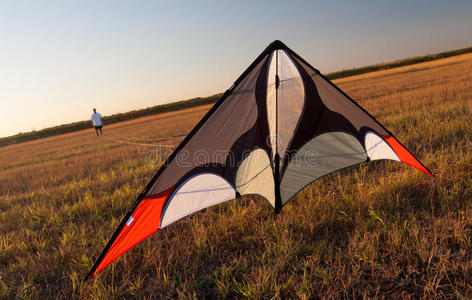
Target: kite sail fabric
[281,126]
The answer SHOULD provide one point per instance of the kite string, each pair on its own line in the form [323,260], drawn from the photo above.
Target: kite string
[122,141]
[153,139]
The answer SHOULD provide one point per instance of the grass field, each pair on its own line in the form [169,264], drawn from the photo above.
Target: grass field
[378,229]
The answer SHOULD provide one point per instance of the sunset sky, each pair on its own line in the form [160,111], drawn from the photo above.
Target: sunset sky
[59,59]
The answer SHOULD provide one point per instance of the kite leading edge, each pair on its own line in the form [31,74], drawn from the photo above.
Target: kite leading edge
[281,126]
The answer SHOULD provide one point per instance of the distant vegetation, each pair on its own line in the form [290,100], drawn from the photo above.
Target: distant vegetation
[66,128]
[397,63]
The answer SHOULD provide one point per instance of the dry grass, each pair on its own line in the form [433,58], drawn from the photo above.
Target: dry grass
[379,229]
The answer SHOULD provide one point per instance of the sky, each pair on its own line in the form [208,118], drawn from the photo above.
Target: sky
[59,59]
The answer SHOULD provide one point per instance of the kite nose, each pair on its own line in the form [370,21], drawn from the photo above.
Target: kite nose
[277,45]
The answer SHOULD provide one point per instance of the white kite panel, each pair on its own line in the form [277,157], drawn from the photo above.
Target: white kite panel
[255,176]
[198,192]
[377,148]
[271,102]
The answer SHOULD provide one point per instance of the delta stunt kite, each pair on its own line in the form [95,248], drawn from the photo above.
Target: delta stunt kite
[279,127]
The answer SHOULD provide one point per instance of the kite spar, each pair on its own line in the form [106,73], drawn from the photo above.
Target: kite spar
[279,127]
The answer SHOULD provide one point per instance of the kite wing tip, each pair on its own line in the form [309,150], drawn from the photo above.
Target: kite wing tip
[88,277]
[429,173]
[404,155]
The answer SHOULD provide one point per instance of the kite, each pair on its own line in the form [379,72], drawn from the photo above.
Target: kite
[280,126]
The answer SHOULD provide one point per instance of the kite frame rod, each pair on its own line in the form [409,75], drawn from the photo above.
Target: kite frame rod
[278,198]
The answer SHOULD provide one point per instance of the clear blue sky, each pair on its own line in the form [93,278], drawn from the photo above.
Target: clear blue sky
[59,59]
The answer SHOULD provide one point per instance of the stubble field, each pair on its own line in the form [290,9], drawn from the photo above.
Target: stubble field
[378,229]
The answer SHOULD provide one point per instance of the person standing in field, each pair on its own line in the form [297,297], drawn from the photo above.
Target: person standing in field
[97,122]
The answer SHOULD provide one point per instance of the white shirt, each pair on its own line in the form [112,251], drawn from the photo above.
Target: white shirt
[97,119]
